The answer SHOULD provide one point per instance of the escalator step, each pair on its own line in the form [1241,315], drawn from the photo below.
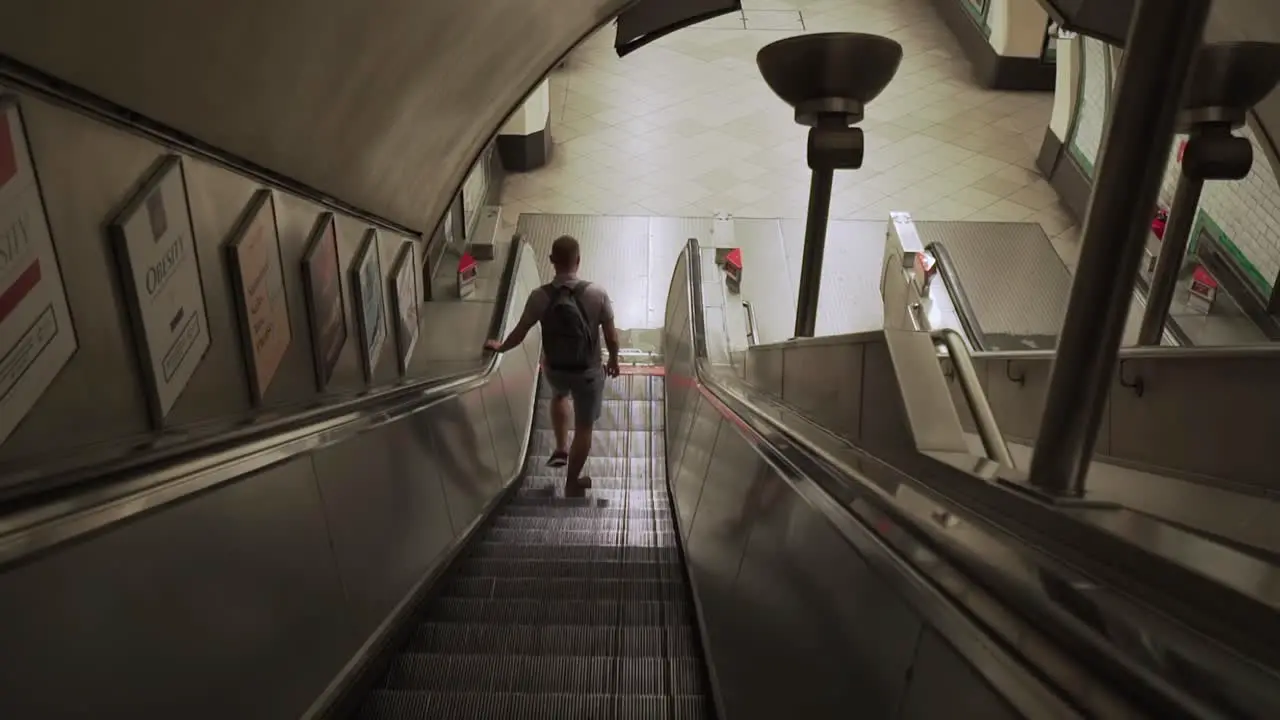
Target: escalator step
[502,673]
[564,608]
[556,523]
[562,589]
[578,674]
[599,570]
[632,537]
[401,704]
[527,495]
[582,509]
[675,642]
[560,612]
[581,553]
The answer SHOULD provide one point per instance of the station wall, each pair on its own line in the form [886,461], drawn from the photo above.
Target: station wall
[1244,215]
[88,167]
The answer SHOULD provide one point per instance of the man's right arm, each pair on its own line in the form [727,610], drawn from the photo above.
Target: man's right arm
[533,309]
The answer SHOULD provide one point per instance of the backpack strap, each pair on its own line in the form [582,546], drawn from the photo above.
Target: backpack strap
[576,293]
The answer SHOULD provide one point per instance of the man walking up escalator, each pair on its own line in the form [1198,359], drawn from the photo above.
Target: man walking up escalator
[572,313]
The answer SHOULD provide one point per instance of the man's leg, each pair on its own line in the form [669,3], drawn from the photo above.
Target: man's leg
[588,401]
[561,387]
[560,427]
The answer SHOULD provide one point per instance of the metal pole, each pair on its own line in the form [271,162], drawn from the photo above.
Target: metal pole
[1162,42]
[815,242]
[1173,250]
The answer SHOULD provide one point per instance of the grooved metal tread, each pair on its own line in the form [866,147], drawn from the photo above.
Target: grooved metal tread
[564,608]
[1016,284]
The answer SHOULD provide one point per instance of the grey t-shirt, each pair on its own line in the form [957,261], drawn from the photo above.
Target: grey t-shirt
[595,303]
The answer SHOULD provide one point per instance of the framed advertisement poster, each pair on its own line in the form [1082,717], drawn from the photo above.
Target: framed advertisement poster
[37,338]
[371,320]
[155,244]
[257,278]
[404,297]
[326,310]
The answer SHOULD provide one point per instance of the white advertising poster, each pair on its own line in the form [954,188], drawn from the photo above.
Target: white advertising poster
[258,275]
[161,274]
[404,285]
[366,279]
[36,336]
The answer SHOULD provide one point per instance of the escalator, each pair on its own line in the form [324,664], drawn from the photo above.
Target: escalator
[563,607]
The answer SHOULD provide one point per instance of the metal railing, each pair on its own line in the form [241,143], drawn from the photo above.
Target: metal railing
[984,417]
[751,322]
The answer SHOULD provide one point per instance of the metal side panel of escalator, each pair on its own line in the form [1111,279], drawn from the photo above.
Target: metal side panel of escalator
[563,607]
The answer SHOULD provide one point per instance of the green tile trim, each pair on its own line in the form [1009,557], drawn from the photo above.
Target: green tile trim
[1205,223]
[1086,165]
[979,15]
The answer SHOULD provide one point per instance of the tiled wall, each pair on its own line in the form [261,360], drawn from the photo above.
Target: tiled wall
[1095,78]
[1245,214]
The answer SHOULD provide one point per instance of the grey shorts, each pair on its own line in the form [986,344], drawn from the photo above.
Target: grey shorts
[587,390]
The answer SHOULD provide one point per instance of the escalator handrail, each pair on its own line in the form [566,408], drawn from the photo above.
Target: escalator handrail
[1029,545]
[971,385]
[94,497]
[959,298]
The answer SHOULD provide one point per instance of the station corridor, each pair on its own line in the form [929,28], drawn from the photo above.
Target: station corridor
[687,127]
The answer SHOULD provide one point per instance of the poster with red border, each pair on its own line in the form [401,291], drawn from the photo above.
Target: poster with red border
[37,338]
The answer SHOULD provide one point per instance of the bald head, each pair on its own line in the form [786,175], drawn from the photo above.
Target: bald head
[565,254]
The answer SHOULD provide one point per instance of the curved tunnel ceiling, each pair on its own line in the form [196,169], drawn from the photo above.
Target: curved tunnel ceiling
[382,104]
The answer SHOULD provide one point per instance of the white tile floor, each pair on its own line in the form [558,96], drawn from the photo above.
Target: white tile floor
[686,126]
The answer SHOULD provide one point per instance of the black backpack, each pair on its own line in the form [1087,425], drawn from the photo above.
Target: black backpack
[567,340]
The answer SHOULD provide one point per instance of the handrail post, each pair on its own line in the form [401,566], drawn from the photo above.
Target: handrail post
[1162,43]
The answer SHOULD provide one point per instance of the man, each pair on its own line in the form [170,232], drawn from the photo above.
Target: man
[572,313]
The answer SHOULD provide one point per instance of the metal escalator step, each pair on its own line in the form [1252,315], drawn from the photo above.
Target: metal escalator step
[579,523]
[581,510]
[556,523]
[502,551]
[642,676]
[544,589]
[403,704]
[563,589]
[649,498]
[502,673]
[548,706]
[551,538]
[393,705]
[478,639]
[580,675]
[557,568]
[507,551]
[560,612]
[525,612]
